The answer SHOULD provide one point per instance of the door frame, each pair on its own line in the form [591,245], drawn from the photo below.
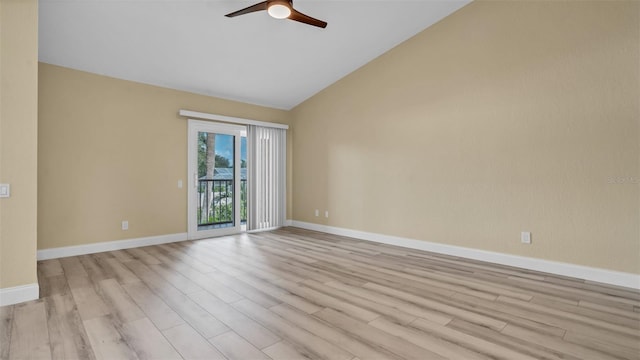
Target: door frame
[194,127]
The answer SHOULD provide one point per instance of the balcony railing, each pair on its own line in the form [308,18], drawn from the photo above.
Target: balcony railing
[215,202]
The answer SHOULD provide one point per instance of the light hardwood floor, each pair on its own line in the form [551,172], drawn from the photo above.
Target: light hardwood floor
[296,294]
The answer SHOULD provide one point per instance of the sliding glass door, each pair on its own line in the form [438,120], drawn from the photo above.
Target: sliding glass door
[217,191]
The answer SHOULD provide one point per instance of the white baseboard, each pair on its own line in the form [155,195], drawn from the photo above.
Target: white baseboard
[18,294]
[559,268]
[59,252]
[288,222]
[66,251]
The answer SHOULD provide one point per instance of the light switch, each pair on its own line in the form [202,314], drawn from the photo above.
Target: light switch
[5,190]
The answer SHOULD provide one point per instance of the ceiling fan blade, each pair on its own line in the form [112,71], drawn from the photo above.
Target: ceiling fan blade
[253,8]
[300,17]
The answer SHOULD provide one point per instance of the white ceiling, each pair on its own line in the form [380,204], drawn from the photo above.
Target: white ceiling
[189,44]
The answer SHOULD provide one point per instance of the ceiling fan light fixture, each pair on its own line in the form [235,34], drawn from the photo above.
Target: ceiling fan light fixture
[279,9]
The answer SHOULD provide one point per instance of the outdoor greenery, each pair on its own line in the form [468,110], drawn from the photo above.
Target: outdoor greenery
[216,197]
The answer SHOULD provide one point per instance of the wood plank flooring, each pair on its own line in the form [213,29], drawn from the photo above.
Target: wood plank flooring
[296,294]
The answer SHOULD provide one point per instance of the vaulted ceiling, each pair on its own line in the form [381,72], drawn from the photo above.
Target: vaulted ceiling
[190,45]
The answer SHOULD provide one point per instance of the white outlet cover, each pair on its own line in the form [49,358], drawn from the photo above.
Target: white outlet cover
[525,237]
[317,212]
[5,190]
[179,184]
[125,225]
[326,213]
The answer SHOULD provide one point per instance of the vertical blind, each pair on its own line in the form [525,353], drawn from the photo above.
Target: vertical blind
[266,180]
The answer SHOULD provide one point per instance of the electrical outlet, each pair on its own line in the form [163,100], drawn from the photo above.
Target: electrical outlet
[317,212]
[326,213]
[5,190]
[125,225]
[179,184]
[525,237]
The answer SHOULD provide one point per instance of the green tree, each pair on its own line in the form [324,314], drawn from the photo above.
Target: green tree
[210,168]
[222,162]
[212,208]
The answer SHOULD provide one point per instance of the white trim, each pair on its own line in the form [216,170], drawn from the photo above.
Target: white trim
[220,128]
[288,222]
[559,268]
[230,119]
[54,253]
[18,294]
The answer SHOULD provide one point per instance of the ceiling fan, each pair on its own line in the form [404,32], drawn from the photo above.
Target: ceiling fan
[280,9]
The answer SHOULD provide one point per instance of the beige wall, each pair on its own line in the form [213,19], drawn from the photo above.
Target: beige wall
[503,117]
[113,150]
[18,140]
